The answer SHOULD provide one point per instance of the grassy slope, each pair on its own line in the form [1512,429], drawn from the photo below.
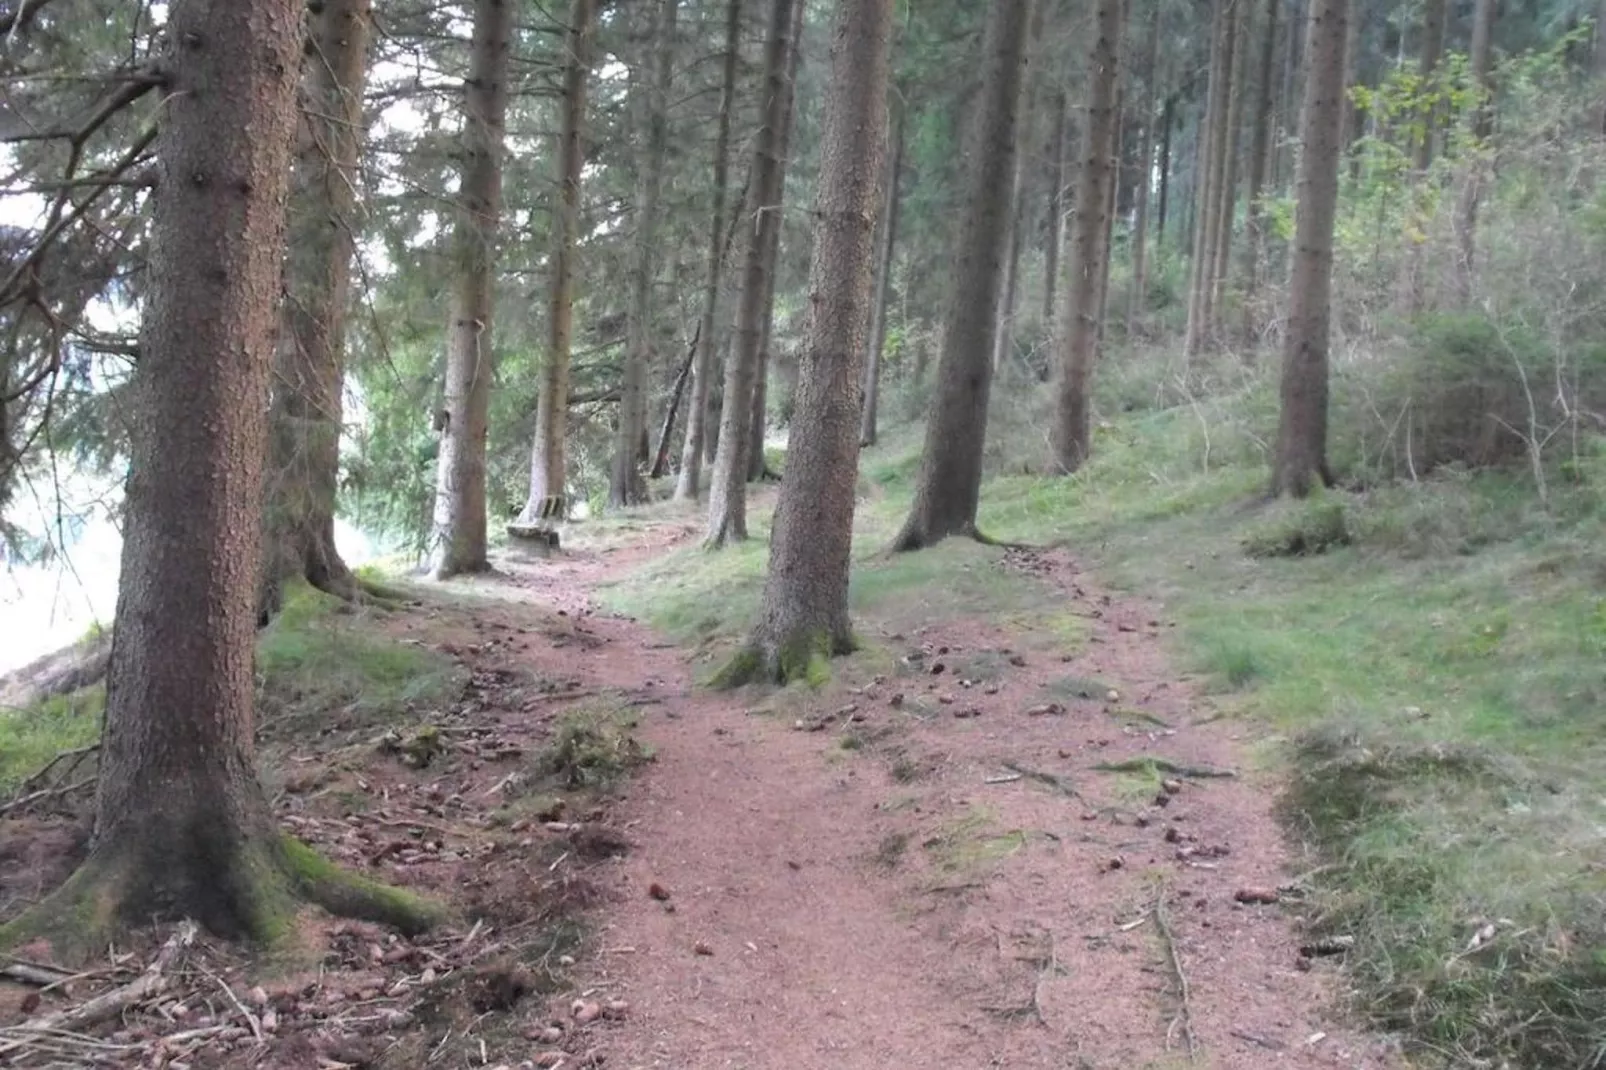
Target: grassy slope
[1433,689]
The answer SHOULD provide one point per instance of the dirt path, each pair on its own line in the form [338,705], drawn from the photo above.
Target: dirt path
[937,876]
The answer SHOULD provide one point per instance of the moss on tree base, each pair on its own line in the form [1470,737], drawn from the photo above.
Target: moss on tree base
[803,657]
[255,896]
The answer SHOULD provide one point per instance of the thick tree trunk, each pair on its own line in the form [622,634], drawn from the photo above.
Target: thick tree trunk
[727,497]
[1138,296]
[1301,457]
[1078,336]
[1259,163]
[459,541]
[549,472]
[1206,191]
[1483,17]
[625,485]
[182,828]
[305,419]
[948,490]
[1055,238]
[757,466]
[688,483]
[883,287]
[804,614]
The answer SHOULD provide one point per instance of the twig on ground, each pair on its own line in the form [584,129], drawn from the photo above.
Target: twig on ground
[1058,783]
[250,1018]
[1165,765]
[1184,1018]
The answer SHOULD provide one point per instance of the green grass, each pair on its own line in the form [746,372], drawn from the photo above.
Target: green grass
[29,738]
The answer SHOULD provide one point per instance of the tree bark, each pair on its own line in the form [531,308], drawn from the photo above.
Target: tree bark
[1004,322]
[1117,154]
[948,490]
[625,485]
[883,287]
[1259,164]
[1060,117]
[757,465]
[688,483]
[1483,18]
[1227,205]
[1167,123]
[182,827]
[1434,16]
[1137,299]
[1212,138]
[305,418]
[804,614]
[1301,457]
[727,498]
[459,541]
[1078,336]
[660,456]
[549,496]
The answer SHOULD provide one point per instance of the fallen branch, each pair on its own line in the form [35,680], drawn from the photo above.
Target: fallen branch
[1167,766]
[1184,1017]
[1058,783]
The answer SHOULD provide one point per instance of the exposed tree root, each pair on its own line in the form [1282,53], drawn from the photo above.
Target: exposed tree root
[915,537]
[803,658]
[1184,1018]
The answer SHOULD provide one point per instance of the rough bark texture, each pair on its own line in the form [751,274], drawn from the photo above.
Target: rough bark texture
[727,497]
[625,485]
[1259,164]
[1004,325]
[804,614]
[182,828]
[1078,335]
[883,288]
[1227,201]
[1167,124]
[1434,17]
[949,488]
[549,473]
[688,483]
[1138,296]
[459,540]
[1301,457]
[1055,237]
[1466,217]
[1212,136]
[757,465]
[1111,202]
[305,420]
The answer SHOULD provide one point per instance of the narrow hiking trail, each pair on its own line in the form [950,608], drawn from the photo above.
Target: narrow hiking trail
[942,865]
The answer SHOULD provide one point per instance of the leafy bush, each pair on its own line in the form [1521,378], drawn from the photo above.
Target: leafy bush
[1299,529]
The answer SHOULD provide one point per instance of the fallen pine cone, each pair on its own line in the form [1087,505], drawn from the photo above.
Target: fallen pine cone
[658,891]
[1331,945]
[1257,895]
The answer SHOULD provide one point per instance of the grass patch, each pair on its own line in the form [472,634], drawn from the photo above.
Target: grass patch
[591,749]
[30,737]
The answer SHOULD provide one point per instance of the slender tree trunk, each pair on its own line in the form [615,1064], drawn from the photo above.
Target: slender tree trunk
[305,419]
[757,464]
[1060,117]
[1290,98]
[948,490]
[1004,325]
[1301,457]
[1167,122]
[1434,16]
[459,543]
[804,614]
[1137,297]
[182,827]
[687,484]
[677,393]
[1227,206]
[1078,336]
[549,496]
[727,499]
[1259,164]
[1212,136]
[1598,58]
[625,485]
[1112,201]
[1483,17]
[883,287]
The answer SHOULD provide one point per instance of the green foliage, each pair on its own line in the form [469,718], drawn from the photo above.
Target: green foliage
[591,749]
[31,737]
[1294,529]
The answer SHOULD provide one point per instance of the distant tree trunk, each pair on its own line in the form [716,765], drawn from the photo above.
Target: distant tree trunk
[1483,18]
[1259,164]
[677,392]
[1004,325]
[1227,206]
[549,496]
[625,485]
[1598,59]
[1301,456]
[305,418]
[688,483]
[1078,336]
[883,287]
[1212,141]
[804,614]
[182,827]
[1167,122]
[1138,295]
[459,543]
[1059,115]
[1434,17]
[1289,100]
[1111,202]
[727,498]
[948,490]
[757,463]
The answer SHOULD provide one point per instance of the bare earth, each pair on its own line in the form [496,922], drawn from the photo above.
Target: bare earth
[917,868]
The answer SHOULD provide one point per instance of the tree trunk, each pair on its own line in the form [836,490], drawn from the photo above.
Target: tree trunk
[688,483]
[1290,99]
[1434,16]
[883,287]
[1078,339]
[1138,296]
[305,419]
[182,827]
[1259,163]
[1483,17]
[1060,117]
[757,466]
[625,485]
[549,496]
[727,498]
[1111,202]
[660,456]
[1004,322]
[1301,456]
[1212,137]
[949,488]
[804,614]
[1167,122]
[1227,206]
[460,520]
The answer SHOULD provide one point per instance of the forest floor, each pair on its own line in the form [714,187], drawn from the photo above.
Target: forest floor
[1006,834]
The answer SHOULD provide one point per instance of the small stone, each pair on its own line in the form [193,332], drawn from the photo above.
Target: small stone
[938,669]
[1017,661]
[258,996]
[1171,787]
[1113,864]
[1112,695]
[945,699]
[565,960]
[658,891]
[270,1020]
[551,1058]
[701,948]
[586,1011]
[616,1008]
[896,700]
[1173,835]
[1047,709]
